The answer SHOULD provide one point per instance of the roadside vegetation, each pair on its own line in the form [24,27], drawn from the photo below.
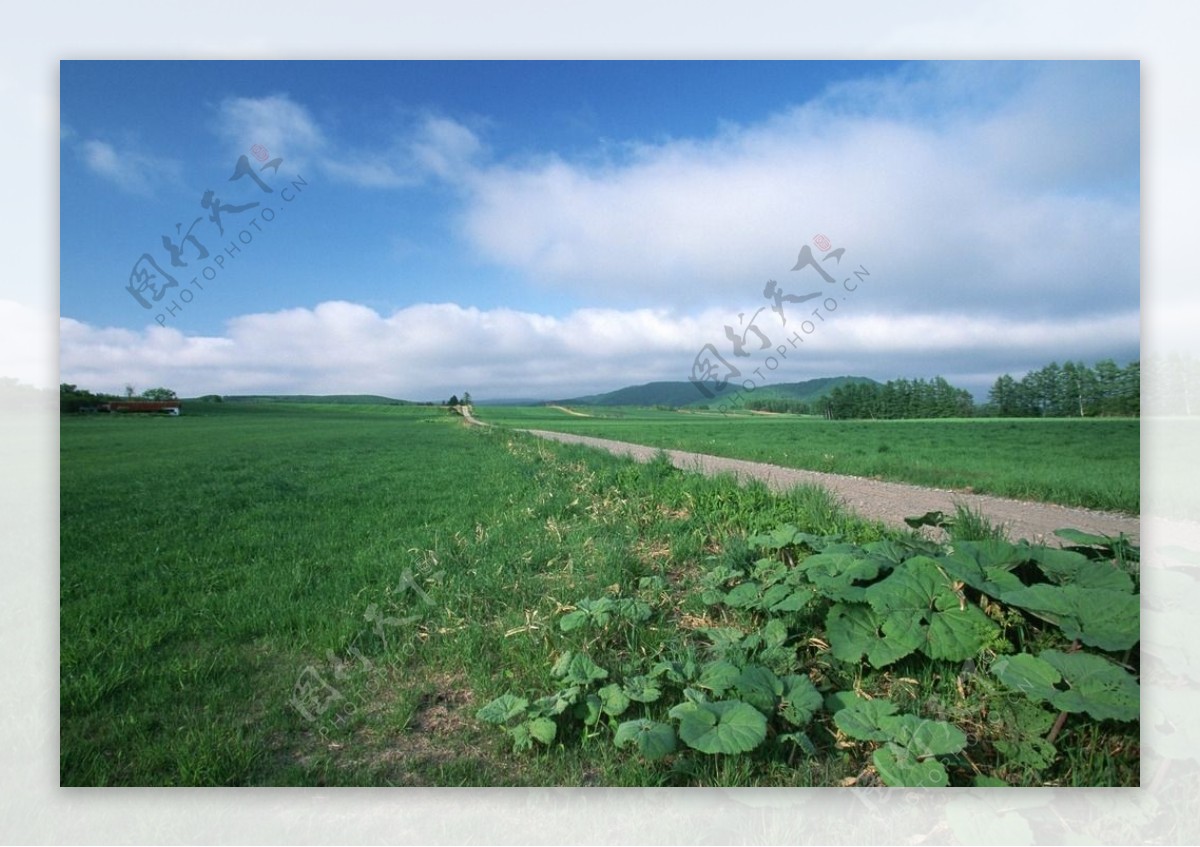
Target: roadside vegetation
[378,595]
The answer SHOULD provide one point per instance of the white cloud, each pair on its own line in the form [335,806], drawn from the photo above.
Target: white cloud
[130,170]
[1015,204]
[433,146]
[285,128]
[427,351]
[445,147]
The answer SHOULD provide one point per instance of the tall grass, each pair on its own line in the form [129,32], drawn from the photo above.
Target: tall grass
[261,596]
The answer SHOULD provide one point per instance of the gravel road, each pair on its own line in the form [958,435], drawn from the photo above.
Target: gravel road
[889,502]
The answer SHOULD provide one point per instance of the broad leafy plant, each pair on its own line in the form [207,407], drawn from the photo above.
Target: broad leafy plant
[795,614]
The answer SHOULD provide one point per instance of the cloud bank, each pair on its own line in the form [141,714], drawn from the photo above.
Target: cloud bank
[428,351]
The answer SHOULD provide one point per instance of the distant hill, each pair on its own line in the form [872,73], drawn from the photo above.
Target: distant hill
[684,394]
[357,399]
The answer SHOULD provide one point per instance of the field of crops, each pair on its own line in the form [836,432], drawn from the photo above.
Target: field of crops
[320,595]
[1091,462]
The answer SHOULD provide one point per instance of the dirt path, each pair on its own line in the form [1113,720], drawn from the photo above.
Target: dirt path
[572,412]
[890,502]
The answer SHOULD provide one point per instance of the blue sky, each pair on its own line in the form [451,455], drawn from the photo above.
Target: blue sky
[545,229]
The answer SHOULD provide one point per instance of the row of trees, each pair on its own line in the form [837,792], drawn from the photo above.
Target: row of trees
[899,398]
[71,398]
[454,401]
[1069,390]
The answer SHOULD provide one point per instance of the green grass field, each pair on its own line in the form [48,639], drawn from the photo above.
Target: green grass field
[321,595]
[1091,462]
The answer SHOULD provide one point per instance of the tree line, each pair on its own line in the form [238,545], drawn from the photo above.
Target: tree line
[898,399]
[1069,390]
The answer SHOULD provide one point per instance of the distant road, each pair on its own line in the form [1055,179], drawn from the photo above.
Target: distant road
[572,412]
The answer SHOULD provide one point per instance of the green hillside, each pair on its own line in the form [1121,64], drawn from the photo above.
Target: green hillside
[683,394]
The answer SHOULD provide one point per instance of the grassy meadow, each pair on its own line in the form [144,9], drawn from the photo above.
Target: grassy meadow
[1090,462]
[329,595]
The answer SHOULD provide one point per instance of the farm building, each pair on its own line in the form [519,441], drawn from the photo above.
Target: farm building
[165,407]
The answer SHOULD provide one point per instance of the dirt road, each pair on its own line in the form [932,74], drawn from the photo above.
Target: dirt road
[889,502]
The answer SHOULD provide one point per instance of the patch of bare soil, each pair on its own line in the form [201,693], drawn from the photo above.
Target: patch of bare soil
[436,734]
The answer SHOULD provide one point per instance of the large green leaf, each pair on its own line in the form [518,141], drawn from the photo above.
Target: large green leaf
[898,767]
[632,609]
[920,602]
[854,631]
[556,703]
[680,672]
[768,645]
[503,709]
[643,689]
[728,726]
[924,738]
[595,612]
[1066,567]
[993,553]
[589,710]
[542,729]
[759,687]
[800,700]
[892,552]
[767,572]
[865,719]
[1097,686]
[1098,617]
[744,596]
[1020,727]
[958,634]
[837,574]
[613,700]
[1084,538]
[577,669]
[572,620]
[774,633]
[1028,674]
[787,598]
[652,739]
[985,565]
[726,640]
[521,738]
[919,586]
[718,677]
[1093,683]
[787,535]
